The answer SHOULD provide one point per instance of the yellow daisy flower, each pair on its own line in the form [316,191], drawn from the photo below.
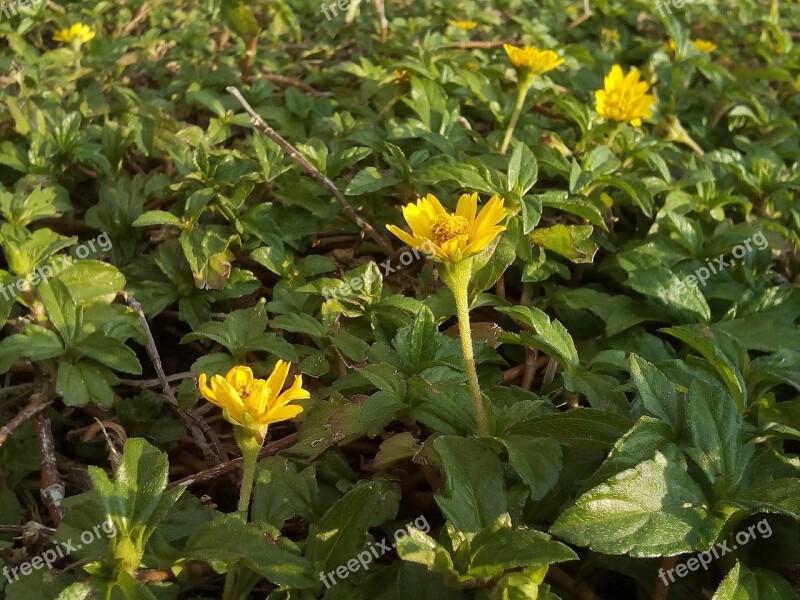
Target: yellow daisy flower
[254,403]
[452,236]
[700,45]
[530,57]
[624,97]
[78,31]
[463,25]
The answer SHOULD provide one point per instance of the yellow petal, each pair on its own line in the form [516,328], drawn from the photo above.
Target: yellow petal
[278,378]
[240,377]
[491,214]
[411,241]
[206,391]
[437,207]
[467,207]
[281,413]
[418,219]
[296,392]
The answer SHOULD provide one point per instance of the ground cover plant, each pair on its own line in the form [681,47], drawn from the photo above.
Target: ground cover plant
[399,299]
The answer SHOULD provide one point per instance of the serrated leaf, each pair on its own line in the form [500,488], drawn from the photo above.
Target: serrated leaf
[653,509]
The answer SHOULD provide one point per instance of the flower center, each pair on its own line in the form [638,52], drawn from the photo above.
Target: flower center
[447,227]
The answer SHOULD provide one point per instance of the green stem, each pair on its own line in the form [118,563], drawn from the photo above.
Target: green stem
[522,92]
[613,135]
[457,279]
[250,446]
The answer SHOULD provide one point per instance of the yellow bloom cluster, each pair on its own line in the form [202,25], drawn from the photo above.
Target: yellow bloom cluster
[78,31]
[700,45]
[463,25]
[254,403]
[452,236]
[624,97]
[532,58]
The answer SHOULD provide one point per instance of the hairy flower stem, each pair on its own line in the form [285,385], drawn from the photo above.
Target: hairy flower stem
[457,277]
[250,446]
[523,86]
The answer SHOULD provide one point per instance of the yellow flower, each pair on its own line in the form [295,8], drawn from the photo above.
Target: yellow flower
[463,25]
[624,98]
[700,45]
[254,403]
[451,236]
[530,57]
[78,31]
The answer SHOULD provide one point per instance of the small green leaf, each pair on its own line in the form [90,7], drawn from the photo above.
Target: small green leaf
[473,496]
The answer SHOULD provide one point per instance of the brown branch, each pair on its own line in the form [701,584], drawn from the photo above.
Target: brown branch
[140,16]
[581,591]
[467,44]
[147,383]
[219,470]
[531,357]
[196,425]
[381,10]
[662,589]
[249,57]
[284,80]
[37,404]
[52,491]
[295,155]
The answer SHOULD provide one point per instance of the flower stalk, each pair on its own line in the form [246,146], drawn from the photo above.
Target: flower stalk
[457,277]
[250,444]
[523,87]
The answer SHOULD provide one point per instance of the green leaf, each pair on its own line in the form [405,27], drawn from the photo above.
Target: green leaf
[85,381]
[493,551]
[35,343]
[227,539]
[742,583]
[109,351]
[536,460]
[503,256]
[473,496]
[657,283]
[523,170]
[152,218]
[656,392]
[63,312]
[654,509]
[708,345]
[550,336]
[714,424]
[570,241]
[781,496]
[423,338]
[281,492]
[342,531]
[370,180]
[580,427]
[92,281]
[464,176]
[418,547]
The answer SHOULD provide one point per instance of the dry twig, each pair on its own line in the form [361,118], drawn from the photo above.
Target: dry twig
[219,470]
[295,155]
